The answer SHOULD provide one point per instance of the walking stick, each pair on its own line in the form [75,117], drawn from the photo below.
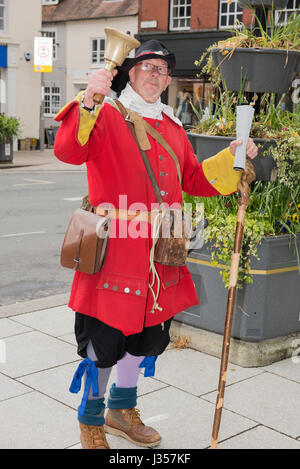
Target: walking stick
[248,175]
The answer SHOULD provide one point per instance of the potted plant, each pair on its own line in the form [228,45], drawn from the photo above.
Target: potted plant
[215,130]
[9,128]
[267,304]
[265,63]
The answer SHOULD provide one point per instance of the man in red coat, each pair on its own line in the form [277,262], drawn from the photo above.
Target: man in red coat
[123,312]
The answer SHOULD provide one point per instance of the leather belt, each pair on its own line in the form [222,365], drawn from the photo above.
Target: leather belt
[122,214]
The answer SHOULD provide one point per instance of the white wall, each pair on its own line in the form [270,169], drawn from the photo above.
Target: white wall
[22,83]
[79,34]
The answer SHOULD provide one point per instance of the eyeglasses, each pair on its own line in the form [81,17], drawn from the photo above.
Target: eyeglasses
[148,67]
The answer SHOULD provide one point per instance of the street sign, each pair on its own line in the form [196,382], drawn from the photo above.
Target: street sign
[43,52]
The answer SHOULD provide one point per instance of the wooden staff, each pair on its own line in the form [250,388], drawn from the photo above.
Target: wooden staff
[248,175]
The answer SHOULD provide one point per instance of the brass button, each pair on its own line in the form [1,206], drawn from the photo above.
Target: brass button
[162,173]
[138,292]
[162,192]
[174,280]
[157,124]
[167,284]
[160,157]
[115,288]
[126,290]
[106,285]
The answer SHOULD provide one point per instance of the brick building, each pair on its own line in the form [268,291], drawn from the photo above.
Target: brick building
[188,27]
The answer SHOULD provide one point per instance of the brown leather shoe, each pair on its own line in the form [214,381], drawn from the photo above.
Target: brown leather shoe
[127,423]
[92,437]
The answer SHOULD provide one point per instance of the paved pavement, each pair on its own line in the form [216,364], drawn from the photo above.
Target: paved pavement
[38,358]
[38,355]
[38,161]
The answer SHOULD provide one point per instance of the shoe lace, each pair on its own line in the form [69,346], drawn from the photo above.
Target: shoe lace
[98,437]
[135,417]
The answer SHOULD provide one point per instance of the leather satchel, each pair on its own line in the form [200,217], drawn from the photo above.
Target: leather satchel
[85,243]
[175,226]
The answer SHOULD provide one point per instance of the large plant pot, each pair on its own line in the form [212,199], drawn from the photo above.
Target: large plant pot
[6,152]
[265,309]
[208,145]
[264,70]
[278,4]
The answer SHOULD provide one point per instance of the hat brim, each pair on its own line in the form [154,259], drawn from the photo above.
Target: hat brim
[120,80]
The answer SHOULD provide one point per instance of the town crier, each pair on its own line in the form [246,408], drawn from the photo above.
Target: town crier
[123,313]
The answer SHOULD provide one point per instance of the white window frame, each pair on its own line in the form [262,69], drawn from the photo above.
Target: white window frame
[50,2]
[3,4]
[52,31]
[237,14]
[53,110]
[100,60]
[286,12]
[177,4]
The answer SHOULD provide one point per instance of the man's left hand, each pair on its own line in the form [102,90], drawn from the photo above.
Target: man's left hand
[251,148]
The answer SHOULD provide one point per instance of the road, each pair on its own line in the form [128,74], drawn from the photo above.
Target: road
[35,208]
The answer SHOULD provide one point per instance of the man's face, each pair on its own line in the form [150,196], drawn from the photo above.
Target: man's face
[149,84]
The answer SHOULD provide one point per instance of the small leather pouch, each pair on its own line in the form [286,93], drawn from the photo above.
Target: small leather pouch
[171,247]
[85,243]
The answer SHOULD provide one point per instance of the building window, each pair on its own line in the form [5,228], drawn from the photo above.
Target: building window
[51,100]
[97,51]
[2,15]
[229,13]
[53,35]
[281,16]
[180,14]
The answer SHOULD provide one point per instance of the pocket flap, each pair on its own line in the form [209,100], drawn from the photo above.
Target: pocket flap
[123,284]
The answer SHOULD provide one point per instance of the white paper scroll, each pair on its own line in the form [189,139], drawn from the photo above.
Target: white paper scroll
[244,116]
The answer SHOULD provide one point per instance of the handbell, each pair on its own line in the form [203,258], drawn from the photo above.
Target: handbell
[118,47]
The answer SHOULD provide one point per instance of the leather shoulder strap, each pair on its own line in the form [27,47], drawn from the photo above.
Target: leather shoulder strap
[143,153]
[156,135]
[160,139]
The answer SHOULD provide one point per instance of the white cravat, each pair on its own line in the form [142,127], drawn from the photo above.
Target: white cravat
[133,101]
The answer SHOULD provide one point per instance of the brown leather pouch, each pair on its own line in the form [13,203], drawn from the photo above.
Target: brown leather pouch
[172,246]
[85,243]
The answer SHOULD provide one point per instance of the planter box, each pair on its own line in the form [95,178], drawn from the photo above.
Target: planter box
[278,4]
[265,309]
[208,145]
[265,70]
[6,152]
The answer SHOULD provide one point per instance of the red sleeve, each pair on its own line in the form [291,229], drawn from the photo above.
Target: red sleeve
[194,181]
[66,146]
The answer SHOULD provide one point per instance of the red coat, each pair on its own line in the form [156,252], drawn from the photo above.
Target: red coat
[119,295]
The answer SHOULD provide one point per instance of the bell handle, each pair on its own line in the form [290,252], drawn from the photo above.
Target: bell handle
[98,98]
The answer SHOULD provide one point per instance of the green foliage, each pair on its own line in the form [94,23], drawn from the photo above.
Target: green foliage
[273,210]
[279,36]
[9,128]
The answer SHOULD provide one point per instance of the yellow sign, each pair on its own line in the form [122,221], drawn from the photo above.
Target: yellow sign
[43,53]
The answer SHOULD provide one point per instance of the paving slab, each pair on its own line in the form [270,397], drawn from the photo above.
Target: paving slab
[267,399]
[260,438]
[11,388]
[34,351]
[9,328]
[70,338]
[34,421]
[195,371]
[184,421]
[289,368]
[53,321]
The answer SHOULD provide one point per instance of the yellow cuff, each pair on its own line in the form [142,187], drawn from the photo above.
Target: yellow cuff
[219,172]
[86,120]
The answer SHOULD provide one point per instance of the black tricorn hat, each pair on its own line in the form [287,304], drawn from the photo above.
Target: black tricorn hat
[149,50]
